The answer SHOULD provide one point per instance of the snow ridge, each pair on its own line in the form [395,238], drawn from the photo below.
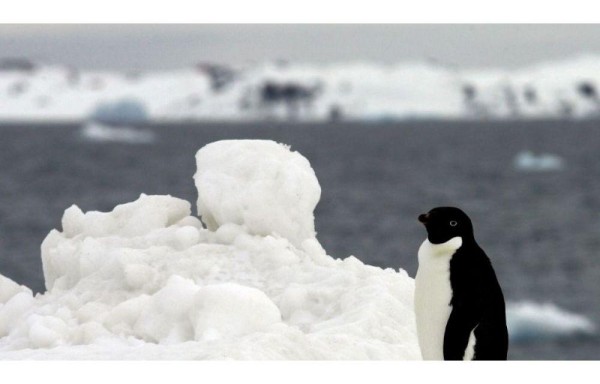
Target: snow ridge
[346,91]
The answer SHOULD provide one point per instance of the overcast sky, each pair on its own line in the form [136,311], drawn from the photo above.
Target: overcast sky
[168,46]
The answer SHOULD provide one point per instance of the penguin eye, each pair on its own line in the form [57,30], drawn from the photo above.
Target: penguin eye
[453,223]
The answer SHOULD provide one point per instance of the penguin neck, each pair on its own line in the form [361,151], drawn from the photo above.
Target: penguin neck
[429,252]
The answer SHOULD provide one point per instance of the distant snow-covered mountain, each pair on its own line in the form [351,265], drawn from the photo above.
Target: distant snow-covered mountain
[351,91]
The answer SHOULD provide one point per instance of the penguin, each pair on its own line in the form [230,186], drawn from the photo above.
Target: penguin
[459,305]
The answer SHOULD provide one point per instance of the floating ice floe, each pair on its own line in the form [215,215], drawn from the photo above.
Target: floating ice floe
[97,132]
[529,321]
[148,281]
[527,161]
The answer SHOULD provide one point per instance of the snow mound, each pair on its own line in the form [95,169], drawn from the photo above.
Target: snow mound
[148,281]
[96,132]
[528,321]
[527,161]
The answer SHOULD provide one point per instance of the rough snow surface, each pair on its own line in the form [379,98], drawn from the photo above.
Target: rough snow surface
[148,281]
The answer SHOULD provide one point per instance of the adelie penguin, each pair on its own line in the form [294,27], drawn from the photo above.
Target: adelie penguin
[459,305]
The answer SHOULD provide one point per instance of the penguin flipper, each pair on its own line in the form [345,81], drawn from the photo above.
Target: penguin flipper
[458,330]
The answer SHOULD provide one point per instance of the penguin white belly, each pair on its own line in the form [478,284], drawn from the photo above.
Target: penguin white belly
[433,294]
[470,351]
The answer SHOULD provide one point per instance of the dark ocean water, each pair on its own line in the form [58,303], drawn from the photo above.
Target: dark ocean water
[541,229]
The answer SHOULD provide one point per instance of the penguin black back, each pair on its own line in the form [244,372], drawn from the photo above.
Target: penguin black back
[478,316]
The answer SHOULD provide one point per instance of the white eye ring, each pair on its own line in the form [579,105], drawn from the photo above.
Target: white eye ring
[453,223]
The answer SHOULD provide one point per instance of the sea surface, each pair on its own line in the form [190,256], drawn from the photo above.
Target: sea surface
[540,226]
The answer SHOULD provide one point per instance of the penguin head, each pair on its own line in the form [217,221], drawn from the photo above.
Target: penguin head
[445,223]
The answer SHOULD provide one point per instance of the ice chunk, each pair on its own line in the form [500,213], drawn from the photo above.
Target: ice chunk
[15,300]
[228,310]
[13,310]
[259,184]
[166,317]
[8,289]
[46,331]
[97,132]
[530,162]
[69,261]
[131,219]
[529,321]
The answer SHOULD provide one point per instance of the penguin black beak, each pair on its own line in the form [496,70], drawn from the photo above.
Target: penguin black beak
[424,218]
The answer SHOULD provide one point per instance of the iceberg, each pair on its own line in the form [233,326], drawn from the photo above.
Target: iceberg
[148,280]
[120,112]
